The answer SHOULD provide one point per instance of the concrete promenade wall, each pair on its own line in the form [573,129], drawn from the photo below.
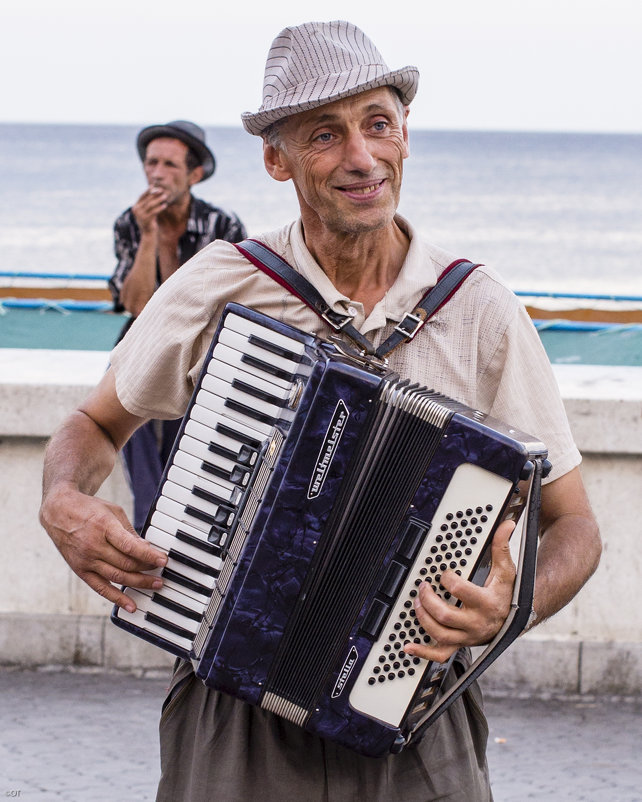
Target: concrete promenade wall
[48,616]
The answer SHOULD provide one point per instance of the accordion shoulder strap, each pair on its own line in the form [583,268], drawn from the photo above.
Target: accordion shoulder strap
[277,268]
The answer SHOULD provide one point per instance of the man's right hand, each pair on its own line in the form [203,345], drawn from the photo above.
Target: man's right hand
[147,208]
[99,544]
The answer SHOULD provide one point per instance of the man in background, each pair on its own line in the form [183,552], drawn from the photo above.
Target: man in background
[164,228]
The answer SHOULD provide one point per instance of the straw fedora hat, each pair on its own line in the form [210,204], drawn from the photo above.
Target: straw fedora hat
[190,134]
[319,62]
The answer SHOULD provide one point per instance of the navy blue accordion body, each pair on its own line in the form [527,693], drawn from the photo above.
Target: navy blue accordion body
[309,493]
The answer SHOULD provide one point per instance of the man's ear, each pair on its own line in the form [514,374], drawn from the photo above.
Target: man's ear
[275,162]
[195,175]
[405,132]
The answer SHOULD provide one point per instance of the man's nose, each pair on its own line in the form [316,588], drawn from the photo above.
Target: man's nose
[357,155]
[156,172]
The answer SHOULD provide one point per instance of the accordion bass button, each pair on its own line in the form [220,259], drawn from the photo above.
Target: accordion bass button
[393,579]
[412,538]
[375,618]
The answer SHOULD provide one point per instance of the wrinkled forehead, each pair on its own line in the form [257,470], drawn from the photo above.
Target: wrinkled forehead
[166,146]
[381,100]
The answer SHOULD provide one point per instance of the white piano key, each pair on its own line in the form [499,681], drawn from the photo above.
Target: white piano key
[177,511]
[186,497]
[209,415]
[200,591]
[229,373]
[147,602]
[171,525]
[216,403]
[233,475]
[187,479]
[193,465]
[203,433]
[248,327]
[196,606]
[168,543]
[244,442]
[190,573]
[168,582]
[230,340]
[224,389]
[138,619]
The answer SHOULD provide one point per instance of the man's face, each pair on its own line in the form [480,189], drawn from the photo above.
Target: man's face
[165,167]
[346,161]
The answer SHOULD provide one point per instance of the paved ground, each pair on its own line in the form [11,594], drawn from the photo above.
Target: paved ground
[84,737]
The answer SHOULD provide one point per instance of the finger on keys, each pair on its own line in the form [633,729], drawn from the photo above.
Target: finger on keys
[137,549]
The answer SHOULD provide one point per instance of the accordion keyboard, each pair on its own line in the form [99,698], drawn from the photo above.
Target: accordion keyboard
[246,395]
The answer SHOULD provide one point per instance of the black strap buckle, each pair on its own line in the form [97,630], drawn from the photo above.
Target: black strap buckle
[334,319]
[409,326]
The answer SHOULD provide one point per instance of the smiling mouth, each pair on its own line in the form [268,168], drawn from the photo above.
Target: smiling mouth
[364,189]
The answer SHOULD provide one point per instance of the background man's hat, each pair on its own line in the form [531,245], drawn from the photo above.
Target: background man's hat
[189,133]
[318,62]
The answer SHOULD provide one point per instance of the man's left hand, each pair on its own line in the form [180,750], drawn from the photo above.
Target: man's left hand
[482,612]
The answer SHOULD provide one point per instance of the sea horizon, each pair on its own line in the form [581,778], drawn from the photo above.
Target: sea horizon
[549,210]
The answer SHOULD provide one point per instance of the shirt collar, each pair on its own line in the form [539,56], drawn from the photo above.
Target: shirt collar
[418,273]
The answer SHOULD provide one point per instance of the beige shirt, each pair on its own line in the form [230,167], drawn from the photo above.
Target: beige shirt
[480,348]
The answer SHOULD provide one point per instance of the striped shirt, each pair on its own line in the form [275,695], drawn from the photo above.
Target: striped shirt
[205,224]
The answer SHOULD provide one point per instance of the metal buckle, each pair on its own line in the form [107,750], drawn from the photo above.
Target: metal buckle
[358,355]
[413,325]
[334,320]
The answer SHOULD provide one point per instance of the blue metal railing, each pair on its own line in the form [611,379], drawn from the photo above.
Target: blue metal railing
[105,306]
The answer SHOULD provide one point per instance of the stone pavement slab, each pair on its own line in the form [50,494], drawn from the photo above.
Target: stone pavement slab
[92,737]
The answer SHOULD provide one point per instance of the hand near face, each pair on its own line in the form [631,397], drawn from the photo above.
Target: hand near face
[147,208]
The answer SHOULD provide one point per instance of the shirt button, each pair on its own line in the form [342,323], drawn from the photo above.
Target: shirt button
[352,311]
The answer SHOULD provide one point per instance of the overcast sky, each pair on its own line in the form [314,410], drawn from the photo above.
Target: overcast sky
[560,65]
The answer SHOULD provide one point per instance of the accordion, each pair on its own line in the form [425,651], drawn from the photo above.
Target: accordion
[309,493]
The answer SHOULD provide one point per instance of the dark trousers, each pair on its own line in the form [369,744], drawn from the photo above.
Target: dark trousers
[145,455]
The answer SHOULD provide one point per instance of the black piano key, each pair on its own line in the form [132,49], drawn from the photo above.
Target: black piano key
[227,431]
[163,601]
[209,548]
[218,535]
[169,626]
[243,456]
[273,348]
[267,368]
[251,413]
[202,516]
[191,584]
[207,496]
[221,517]
[238,475]
[255,392]
[190,562]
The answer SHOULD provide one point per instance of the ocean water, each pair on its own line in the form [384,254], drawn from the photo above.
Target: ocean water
[549,211]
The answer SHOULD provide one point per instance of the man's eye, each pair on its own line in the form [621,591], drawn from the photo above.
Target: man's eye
[380,125]
[326,136]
